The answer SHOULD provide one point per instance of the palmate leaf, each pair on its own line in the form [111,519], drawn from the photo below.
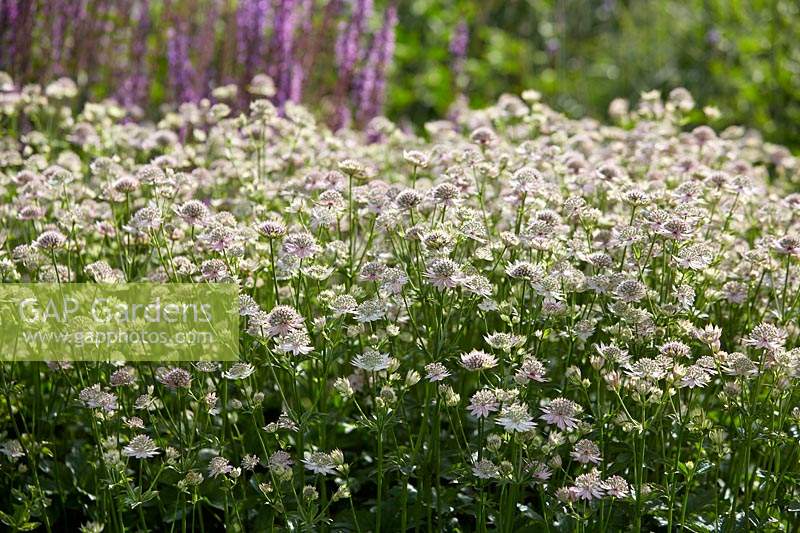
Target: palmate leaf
[139,498]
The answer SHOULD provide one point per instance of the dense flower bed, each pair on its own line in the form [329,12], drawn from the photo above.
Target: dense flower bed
[519,323]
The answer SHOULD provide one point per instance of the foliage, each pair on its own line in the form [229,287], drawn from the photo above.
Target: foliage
[741,56]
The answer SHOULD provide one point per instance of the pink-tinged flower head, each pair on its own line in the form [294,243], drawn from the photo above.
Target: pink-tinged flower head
[616,487]
[282,320]
[588,486]
[482,403]
[531,370]
[766,337]
[436,372]
[562,413]
[301,245]
[586,451]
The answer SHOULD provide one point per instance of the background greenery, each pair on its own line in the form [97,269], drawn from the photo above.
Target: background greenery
[742,56]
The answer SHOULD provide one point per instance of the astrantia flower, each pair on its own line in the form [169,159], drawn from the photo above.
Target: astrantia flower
[193,212]
[586,451]
[526,180]
[282,320]
[515,417]
[134,422]
[102,272]
[588,486]
[436,372]
[141,447]
[353,168]
[540,471]
[214,270]
[505,342]
[616,487]
[147,218]
[301,245]
[96,398]
[565,495]
[710,335]
[531,370]
[12,449]
[438,241]
[695,376]
[675,350]
[482,403]
[676,229]
[788,245]
[174,378]
[444,273]
[416,158]
[122,377]
[249,462]
[219,238]
[219,466]
[446,194]
[646,368]
[562,413]
[343,304]
[477,285]
[332,199]
[630,291]
[271,229]
[485,469]
[696,256]
[483,136]
[321,463]
[408,199]
[239,371]
[766,337]
[612,353]
[50,240]
[739,365]
[31,212]
[372,271]
[524,270]
[372,360]
[295,342]
[393,281]
[280,461]
[478,360]
[371,310]
[206,366]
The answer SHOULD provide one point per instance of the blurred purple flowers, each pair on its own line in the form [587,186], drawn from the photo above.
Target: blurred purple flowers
[178,51]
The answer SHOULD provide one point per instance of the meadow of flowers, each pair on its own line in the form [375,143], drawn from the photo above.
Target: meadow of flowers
[519,322]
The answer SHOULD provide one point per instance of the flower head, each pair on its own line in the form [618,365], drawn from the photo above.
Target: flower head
[372,360]
[141,447]
[562,413]
[515,417]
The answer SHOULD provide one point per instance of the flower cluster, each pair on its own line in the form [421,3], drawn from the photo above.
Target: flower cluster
[518,322]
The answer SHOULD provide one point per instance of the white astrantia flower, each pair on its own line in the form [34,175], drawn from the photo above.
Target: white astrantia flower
[372,360]
[239,371]
[141,447]
[321,463]
[515,418]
